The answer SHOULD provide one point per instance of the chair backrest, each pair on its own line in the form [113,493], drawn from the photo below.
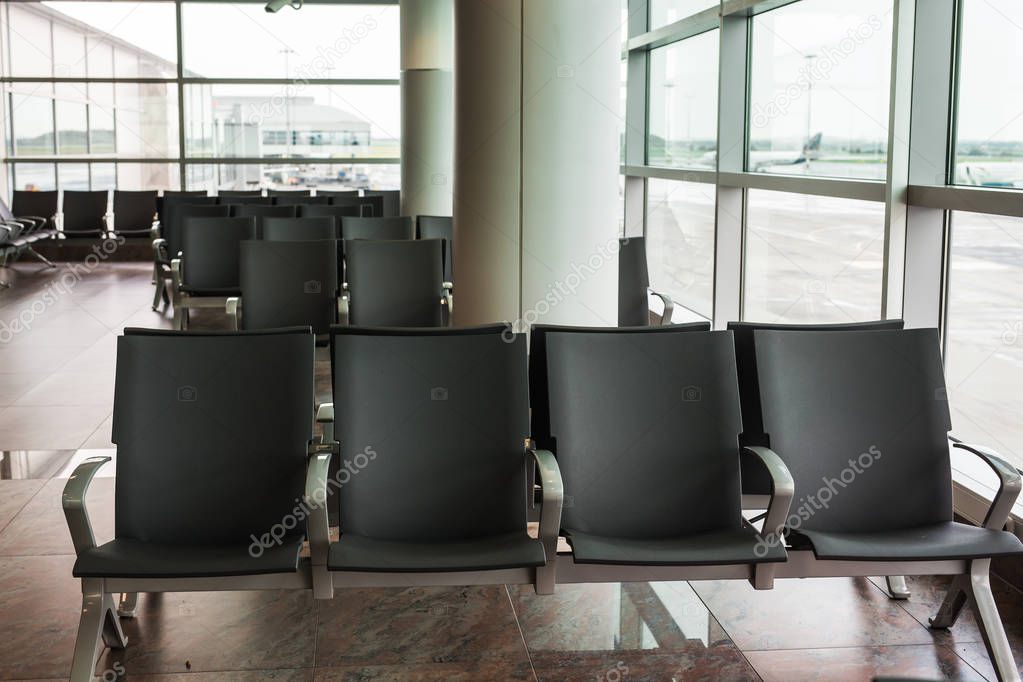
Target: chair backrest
[377,228]
[864,416]
[394,283]
[288,283]
[336,212]
[176,212]
[391,201]
[288,192]
[439,227]
[169,194]
[39,204]
[298,229]
[237,202]
[337,193]
[645,424]
[207,453]
[5,212]
[210,247]
[633,283]
[239,193]
[134,211]
[369,207]
[746,360]
[263,211]
[301,200]
[83,211]
[441,417]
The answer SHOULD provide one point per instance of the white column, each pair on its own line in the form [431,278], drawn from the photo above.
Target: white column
[536,190]
[427,106]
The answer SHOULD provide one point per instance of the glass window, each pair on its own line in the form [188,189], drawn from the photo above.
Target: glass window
[73,176]
[72,119]
[293,120]
[100,57]
[147,120]
[680,242]
[663,12]
[27,35]
[989,142]
[102,176]
[294,176]
[68,51]
[684,103]
[137,176]
[101,118]
[812,259]
[321,41]
[34,176]
[984,359]
[32,121]
[819,95]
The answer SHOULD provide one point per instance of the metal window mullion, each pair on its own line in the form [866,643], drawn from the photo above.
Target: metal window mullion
[636,122]
[182,182]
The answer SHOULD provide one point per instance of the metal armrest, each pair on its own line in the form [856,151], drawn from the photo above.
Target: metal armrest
[73,501]
[325,413]
[343,311]
[553,497]
[783,488]
[160,250]
[176,275]
[1009,485]
[318,525]
[669,306]
[233,307]
[448,300]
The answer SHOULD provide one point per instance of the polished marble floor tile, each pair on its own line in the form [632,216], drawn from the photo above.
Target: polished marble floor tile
[14,385]
[15,494]
[814,613]
[49,428]
[212,631]
[855,664]
[22,464]
[417,625]
[40,527]
[282,675]
[427,672]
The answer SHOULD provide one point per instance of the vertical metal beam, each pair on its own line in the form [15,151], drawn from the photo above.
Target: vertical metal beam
[733,89]
[900,109]
[182,184]
[930,161]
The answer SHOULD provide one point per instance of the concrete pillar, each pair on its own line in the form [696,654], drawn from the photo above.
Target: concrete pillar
[537,153]
[427,106]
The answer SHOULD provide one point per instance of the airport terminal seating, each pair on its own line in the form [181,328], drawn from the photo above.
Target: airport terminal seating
[188,505]
[286,283]
[395,284]
[134,213]
[634,286]
[299,200]
[237,202]
[239,194]
[332,210]
[260,211]
[397,227]
[391,205]
[335,193]
[205,274]
[167,247]
[23,230]
[370,207]
[170,194]
[298,229]
[439,227]
[84,214]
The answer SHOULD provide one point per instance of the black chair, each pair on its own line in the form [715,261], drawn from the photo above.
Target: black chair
[41,205]
[288,192]
[298,229]
[176,194]
[191,499]
[84,213]
[395,284]
[439,227]
[369,207]
[300,200]
[336,212]
[377,228]
[263,211]
[634,286]
[24,230]
[286,283]
[391,206]
[205,275]
[237,202]
[135,213]
[240,194]
[168,246]
[644,423]
[433,424]
[332,193]
[862,421]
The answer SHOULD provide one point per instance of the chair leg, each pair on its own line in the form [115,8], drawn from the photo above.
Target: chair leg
[990,622]
[158,294]
[90,628]
[952,605]
[897,587]
[129,602]
[179,317]
[41,257]
[113,635]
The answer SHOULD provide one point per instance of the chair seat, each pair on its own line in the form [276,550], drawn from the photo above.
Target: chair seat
[125,558]
[358,553]
[212,292]
[733,546]
[936,542]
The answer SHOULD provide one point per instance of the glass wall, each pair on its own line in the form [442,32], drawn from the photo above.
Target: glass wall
[313,97]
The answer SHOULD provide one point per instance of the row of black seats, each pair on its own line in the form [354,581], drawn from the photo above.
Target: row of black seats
[631,437]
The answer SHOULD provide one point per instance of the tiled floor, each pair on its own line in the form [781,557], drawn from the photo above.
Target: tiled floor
[56,383]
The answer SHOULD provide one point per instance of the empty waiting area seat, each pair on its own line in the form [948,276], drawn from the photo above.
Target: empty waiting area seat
[395,284]
[84,213]
[298,229]
[134,213]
